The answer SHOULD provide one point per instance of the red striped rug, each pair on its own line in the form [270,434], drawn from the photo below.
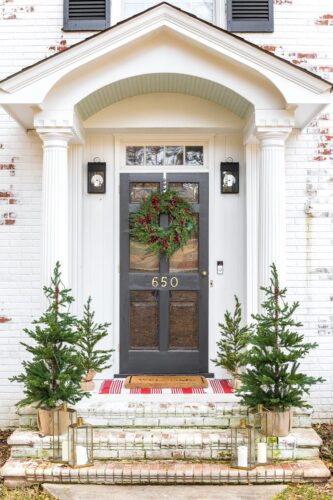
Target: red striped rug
[117,386]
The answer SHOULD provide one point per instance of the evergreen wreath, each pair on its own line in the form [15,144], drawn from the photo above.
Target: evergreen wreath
[145,224]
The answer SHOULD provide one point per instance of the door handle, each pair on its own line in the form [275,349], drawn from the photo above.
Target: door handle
[204,273]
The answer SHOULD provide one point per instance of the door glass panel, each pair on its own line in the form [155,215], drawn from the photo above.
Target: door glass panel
[144,319]
[154,155]
[194,155]
[186,259]
[188,190]
[140,260]
[134,155]
[174,155]
[183,320]
[138,191]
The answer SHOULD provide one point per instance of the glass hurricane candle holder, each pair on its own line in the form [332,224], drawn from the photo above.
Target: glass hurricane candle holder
[264,447]
[62,418]
[243,446]
[80,444]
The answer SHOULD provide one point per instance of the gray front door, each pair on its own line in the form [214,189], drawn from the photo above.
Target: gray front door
[164,302]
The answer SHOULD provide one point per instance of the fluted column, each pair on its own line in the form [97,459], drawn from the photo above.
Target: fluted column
[55,204]
[272,203]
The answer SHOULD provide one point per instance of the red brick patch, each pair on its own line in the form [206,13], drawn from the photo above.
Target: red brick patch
[8,219]
[4,319]
[325,20]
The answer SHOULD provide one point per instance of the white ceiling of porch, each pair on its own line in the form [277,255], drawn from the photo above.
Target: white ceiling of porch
[166,82]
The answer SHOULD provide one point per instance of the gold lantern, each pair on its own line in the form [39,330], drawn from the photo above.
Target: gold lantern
[243,446]
[264,445]
[62,418]
[80,444]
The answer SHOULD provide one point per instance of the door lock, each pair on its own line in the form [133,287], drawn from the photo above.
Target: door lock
[204,273]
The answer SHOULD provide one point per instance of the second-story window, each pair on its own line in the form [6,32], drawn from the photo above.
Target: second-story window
[203,9]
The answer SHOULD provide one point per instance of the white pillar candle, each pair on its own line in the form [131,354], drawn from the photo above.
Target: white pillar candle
[81,455]
[242,456]
[64,450]
[262,453]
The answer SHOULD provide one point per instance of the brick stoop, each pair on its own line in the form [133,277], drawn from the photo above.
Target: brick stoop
[24,472]
[161,439]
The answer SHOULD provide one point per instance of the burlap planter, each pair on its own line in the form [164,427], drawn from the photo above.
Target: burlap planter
[87,383]
[278,424]
[45,421]
[235,382]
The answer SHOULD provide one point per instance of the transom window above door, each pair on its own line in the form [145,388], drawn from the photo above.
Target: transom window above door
[203,9]
[164,155]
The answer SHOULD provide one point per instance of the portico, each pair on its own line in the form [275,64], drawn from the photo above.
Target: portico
[113,90]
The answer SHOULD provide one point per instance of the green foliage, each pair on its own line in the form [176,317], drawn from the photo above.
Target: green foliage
[273,378]
[234,339]
[90,333]
[145,223]
[306,492]
[54,373]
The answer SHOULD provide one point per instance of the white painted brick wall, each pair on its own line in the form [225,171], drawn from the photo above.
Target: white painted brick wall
[30,31]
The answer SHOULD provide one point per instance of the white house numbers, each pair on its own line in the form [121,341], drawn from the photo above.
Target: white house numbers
[164,281]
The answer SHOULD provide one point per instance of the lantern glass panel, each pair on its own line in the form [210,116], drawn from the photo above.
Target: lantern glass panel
[80,445]
[62,418]
[264,445]
[243,446]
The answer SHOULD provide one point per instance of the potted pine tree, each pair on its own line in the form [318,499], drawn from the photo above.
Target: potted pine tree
[273,378]
[53,375]
[93,360]
[232,354]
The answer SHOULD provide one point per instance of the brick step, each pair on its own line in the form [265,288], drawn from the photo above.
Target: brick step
[19,472]
[166,443]
[147,411]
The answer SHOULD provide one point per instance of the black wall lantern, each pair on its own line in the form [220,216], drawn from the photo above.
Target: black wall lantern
[96,177]
[229,177]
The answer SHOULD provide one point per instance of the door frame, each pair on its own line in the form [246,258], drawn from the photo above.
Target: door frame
[120,142]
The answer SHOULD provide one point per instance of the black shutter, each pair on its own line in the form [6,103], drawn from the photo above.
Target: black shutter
[250,15]
[86,15]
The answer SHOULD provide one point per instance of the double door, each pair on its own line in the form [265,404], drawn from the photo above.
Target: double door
[164,302]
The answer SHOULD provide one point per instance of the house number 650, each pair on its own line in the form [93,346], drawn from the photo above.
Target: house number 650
[163,282]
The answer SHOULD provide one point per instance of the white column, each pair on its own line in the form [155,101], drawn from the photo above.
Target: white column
[252,212]
[55,194]
[272,203]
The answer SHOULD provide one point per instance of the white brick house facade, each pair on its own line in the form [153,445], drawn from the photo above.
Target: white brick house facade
[303,34]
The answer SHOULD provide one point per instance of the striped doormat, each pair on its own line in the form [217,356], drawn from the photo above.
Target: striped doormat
[117,386]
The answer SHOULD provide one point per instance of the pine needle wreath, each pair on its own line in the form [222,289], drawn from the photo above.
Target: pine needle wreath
[145,223]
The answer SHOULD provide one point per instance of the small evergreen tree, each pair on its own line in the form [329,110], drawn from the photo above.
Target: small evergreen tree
[234,339]
[273,378]
[90,333]
[54,373]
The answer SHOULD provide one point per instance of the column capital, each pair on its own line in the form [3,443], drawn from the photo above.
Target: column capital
[272,136]
[55,136]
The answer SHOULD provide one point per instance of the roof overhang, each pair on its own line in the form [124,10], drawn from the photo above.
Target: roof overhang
[38,87]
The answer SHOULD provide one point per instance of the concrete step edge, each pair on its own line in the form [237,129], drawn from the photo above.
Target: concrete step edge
[161,472]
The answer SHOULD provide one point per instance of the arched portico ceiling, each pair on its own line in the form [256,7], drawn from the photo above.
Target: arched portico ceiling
[163,82]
